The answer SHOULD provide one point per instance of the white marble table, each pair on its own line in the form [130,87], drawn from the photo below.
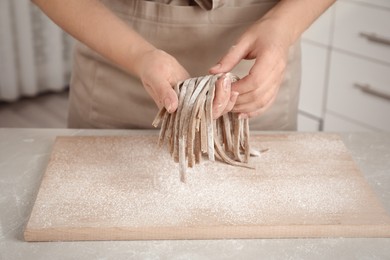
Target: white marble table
[24,154]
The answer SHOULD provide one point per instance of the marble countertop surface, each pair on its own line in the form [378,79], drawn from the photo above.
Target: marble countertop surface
[24,154]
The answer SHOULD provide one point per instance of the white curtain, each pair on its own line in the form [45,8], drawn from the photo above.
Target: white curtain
[35,54]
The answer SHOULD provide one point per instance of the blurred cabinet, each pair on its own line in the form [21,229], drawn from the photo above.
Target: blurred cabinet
[307,123]
[346,69]
[335,123]
[316,43]
[378,3]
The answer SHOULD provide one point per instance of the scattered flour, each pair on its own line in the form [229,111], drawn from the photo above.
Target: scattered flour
[129,182]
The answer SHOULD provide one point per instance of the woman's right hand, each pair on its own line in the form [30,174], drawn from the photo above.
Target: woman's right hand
[159,72]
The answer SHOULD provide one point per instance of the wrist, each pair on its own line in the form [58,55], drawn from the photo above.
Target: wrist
[285,30]
[135,57]
[294,17]
[277,31]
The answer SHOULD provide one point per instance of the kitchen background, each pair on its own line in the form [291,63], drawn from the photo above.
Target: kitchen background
[345,81]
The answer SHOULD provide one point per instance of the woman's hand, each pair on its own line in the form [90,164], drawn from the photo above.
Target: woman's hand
[268,41]
[268,45]
[159,72]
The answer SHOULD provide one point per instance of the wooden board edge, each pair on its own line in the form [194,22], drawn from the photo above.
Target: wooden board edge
[200,233]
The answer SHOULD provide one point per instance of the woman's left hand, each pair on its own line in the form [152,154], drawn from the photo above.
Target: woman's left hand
[268,44]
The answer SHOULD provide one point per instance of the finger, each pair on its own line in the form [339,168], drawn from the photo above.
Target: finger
[255,93]
[261,110]
[254,101]
[222,95]
[231,103]
[164,96]
[166,91]
[170,100]
[257,112]
[235,54]
[260,74]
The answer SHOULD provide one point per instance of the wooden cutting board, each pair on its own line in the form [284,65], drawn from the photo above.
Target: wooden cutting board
[126,188]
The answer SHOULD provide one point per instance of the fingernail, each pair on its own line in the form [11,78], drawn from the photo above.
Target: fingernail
[242,116]
[217,66]
[168,104]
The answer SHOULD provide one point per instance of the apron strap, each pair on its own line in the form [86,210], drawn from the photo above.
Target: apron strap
[204,4]
[209,4]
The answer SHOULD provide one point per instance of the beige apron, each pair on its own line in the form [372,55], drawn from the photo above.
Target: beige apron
[103,96]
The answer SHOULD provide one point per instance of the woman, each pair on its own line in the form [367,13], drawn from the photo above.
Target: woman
[131,53]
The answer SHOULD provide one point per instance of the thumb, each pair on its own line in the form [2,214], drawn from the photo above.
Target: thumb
[235,54]
[169,98]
